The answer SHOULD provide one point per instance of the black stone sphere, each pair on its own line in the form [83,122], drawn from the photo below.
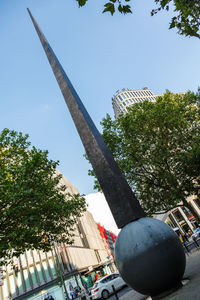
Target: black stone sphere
[149,256]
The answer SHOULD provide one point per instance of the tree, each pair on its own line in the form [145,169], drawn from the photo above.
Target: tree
[186,18]
[157,146]
[34,204]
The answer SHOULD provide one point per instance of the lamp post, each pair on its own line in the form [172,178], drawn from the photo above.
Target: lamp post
[148,253]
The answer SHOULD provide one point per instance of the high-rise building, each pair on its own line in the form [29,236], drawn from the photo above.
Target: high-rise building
[126,98]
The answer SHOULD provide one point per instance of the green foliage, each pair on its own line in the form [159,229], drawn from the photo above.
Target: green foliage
[186,19]
[111,6]
[157,146]
[81,2]
[34,204]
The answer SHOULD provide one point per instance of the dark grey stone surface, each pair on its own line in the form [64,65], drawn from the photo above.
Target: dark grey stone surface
[149,256]
[121,200]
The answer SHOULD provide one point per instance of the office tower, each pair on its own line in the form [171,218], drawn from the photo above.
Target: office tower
[126,98]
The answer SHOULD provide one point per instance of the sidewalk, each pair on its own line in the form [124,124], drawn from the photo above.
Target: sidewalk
[191,291]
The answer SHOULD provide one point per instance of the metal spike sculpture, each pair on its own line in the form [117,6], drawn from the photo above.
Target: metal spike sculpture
[123,203]
[148,253]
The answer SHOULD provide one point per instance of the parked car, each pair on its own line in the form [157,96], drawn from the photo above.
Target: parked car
[196,233]
[103,287]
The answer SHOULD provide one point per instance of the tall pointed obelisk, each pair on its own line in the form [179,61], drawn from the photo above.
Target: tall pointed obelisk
[123,203]
[148,253]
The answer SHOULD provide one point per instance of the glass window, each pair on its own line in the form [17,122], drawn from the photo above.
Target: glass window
[197,202]
[46,270]
[120,97]
[26,278]
[52,266]
[12,284]
[5,288]
[178,215]
[124,103]
[33,276]
[19,281]
[109,278]
[123,96]
[170,221]
[186,211]
[38,266]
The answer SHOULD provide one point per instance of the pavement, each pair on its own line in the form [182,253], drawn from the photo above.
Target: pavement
[191,284]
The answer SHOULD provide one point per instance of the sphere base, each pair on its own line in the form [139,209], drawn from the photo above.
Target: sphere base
[150,257]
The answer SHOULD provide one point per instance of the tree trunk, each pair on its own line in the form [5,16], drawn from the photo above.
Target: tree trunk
[192,209]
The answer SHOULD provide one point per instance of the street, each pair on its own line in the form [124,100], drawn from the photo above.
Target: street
[123,294]
[120,293]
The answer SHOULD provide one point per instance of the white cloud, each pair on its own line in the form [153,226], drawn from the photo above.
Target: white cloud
[100,210]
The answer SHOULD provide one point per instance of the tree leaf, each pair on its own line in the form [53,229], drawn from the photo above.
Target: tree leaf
[82,2]
[109,7]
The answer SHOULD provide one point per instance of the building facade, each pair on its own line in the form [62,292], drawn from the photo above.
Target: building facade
[35,273]
[181,218]
[126,98]
[109,239]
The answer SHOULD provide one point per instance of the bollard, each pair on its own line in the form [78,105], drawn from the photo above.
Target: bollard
[115,293]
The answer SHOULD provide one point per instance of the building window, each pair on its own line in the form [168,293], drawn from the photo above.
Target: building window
[187,212]
[26,278]
[40,274]
[12,285]
[33,276]
[97,256]
[120,97]
[178,215]
[5,289]
[197,202]
[52,266]
[46,270]
[171,222]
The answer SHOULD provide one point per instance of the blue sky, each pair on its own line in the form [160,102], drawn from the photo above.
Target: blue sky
[100,54]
